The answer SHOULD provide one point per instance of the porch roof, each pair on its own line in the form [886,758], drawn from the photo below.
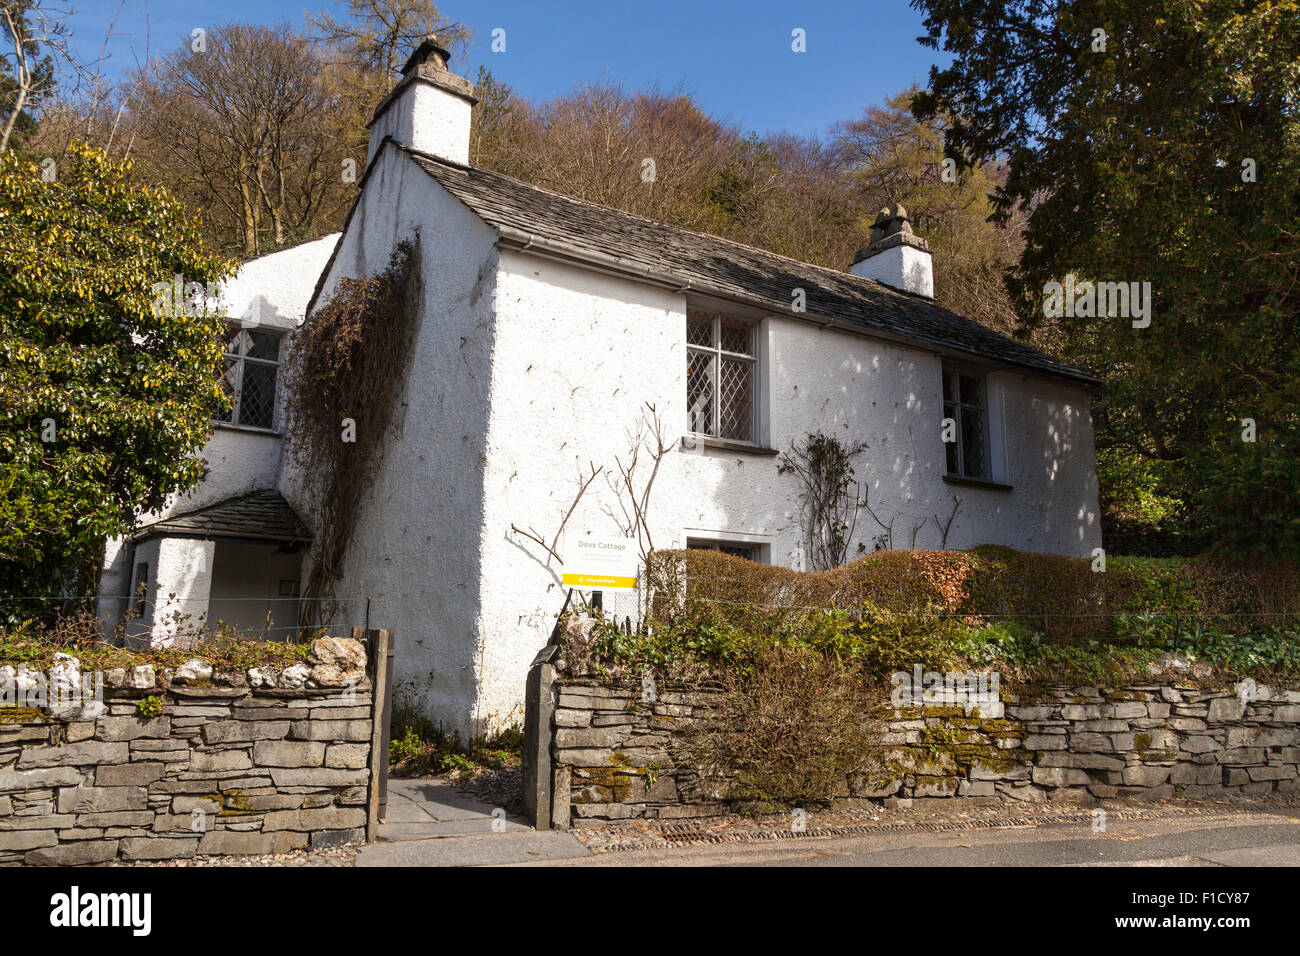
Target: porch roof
[258,515]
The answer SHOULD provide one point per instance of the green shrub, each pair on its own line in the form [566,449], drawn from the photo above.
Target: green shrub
[419,746]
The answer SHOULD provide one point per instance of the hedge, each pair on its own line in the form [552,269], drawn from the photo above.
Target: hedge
[1060,597]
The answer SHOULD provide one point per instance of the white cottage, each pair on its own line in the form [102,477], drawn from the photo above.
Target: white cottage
[548,325]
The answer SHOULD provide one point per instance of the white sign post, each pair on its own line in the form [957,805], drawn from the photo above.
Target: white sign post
[604,564]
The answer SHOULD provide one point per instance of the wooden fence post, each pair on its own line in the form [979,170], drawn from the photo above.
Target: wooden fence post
[380,644]
[539,716]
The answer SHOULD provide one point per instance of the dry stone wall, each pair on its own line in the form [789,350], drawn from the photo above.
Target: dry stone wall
[265,760]
[615,755]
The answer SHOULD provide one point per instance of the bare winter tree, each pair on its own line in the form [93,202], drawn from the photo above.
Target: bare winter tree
[251,127]
[368,44]
[35,37]
[637,471]
[377,35]
[890,157]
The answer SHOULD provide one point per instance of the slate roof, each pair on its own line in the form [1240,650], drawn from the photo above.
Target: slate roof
[726,269]
[261,515]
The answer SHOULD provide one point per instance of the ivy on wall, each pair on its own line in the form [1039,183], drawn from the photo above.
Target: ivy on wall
[346,371]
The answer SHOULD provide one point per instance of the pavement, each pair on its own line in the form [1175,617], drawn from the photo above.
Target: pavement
[430,823]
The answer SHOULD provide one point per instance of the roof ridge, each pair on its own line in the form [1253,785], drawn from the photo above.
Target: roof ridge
[472,184]
[439,161]
[873,285]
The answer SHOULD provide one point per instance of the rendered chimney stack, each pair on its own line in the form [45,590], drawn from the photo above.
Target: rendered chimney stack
[895,256]
[429,108]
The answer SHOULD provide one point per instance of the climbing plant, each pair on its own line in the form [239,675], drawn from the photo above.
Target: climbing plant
[824,467]
[346,371]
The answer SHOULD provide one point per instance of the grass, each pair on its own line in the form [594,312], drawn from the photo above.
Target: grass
[421,752]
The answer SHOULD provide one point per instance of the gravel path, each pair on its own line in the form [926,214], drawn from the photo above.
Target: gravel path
[333,856]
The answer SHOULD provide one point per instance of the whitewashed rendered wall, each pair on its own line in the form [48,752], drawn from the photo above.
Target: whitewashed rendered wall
[577,354]
[180,580]
[270,292]
[415,553]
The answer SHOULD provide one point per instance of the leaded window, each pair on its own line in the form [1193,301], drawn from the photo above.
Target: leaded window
[750,552]
[721,367]
[965,404]
[252,365]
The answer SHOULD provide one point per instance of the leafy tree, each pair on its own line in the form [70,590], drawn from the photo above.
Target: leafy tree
[106,386]
[1155,141]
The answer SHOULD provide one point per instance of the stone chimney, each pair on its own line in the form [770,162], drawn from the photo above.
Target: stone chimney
[429,108]
[895,256]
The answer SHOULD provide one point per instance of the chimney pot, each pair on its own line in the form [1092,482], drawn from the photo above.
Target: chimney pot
[429,51]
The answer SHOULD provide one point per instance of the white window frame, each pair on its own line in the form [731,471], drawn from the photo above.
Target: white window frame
[753,358]
[714,541]
[241,361]
[991,415]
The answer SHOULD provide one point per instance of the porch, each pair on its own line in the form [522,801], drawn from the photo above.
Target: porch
[231,567]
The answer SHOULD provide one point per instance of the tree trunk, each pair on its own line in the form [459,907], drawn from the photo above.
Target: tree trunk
[19,103]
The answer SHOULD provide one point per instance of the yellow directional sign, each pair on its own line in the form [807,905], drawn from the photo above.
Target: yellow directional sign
[598,581]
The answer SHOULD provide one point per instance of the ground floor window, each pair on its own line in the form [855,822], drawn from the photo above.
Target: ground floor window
[737,549]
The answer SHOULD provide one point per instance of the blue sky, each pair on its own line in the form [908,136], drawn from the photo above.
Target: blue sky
[734,57]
